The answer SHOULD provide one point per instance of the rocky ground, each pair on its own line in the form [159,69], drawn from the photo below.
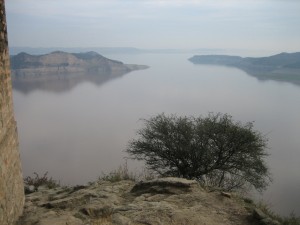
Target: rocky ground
[157,202]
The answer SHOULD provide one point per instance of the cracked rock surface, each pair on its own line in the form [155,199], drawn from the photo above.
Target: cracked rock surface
[161,201]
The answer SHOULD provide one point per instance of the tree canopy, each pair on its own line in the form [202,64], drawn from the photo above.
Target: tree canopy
[214,150]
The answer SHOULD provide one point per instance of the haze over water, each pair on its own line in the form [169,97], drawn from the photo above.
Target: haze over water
[77,133]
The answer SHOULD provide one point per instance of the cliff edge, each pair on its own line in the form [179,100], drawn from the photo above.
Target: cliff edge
[164,201]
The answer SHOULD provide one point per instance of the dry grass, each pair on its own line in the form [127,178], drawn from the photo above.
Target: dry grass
[292,219]
[44,180]
[123,173]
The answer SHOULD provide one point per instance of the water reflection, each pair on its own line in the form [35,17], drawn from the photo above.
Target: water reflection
[63,83]
[292,77]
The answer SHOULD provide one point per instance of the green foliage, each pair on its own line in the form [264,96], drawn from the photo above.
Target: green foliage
[214,150]
[41,181]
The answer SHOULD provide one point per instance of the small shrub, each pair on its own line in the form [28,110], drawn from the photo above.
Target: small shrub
[122,173]
[38,181]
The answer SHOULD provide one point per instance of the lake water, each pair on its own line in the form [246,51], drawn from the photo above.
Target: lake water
[78,130]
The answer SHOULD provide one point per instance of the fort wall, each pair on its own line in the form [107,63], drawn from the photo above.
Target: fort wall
[11,181]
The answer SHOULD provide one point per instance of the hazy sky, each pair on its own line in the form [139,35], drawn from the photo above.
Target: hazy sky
[246,24]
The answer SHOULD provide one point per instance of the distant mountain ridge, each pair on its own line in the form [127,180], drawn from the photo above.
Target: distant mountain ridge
[286,60]
[283,66]
[26,66]
[112,50]
[61,71]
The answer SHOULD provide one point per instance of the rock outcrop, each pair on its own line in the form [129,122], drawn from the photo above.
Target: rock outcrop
[156,202]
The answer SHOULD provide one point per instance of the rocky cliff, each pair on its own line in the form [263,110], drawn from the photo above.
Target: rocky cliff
[161,201]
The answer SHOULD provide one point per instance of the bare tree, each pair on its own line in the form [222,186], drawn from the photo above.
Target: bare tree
[214,150]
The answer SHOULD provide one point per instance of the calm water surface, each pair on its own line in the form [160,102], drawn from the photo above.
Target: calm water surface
[78,131]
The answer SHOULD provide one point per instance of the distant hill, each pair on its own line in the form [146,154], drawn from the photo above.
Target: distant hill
[61,71]
[26,66]
[282,67]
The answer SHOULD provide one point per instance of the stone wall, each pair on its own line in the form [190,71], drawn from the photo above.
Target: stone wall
[11,182]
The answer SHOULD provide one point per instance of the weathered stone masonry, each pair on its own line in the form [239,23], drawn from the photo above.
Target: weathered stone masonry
[11,182]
